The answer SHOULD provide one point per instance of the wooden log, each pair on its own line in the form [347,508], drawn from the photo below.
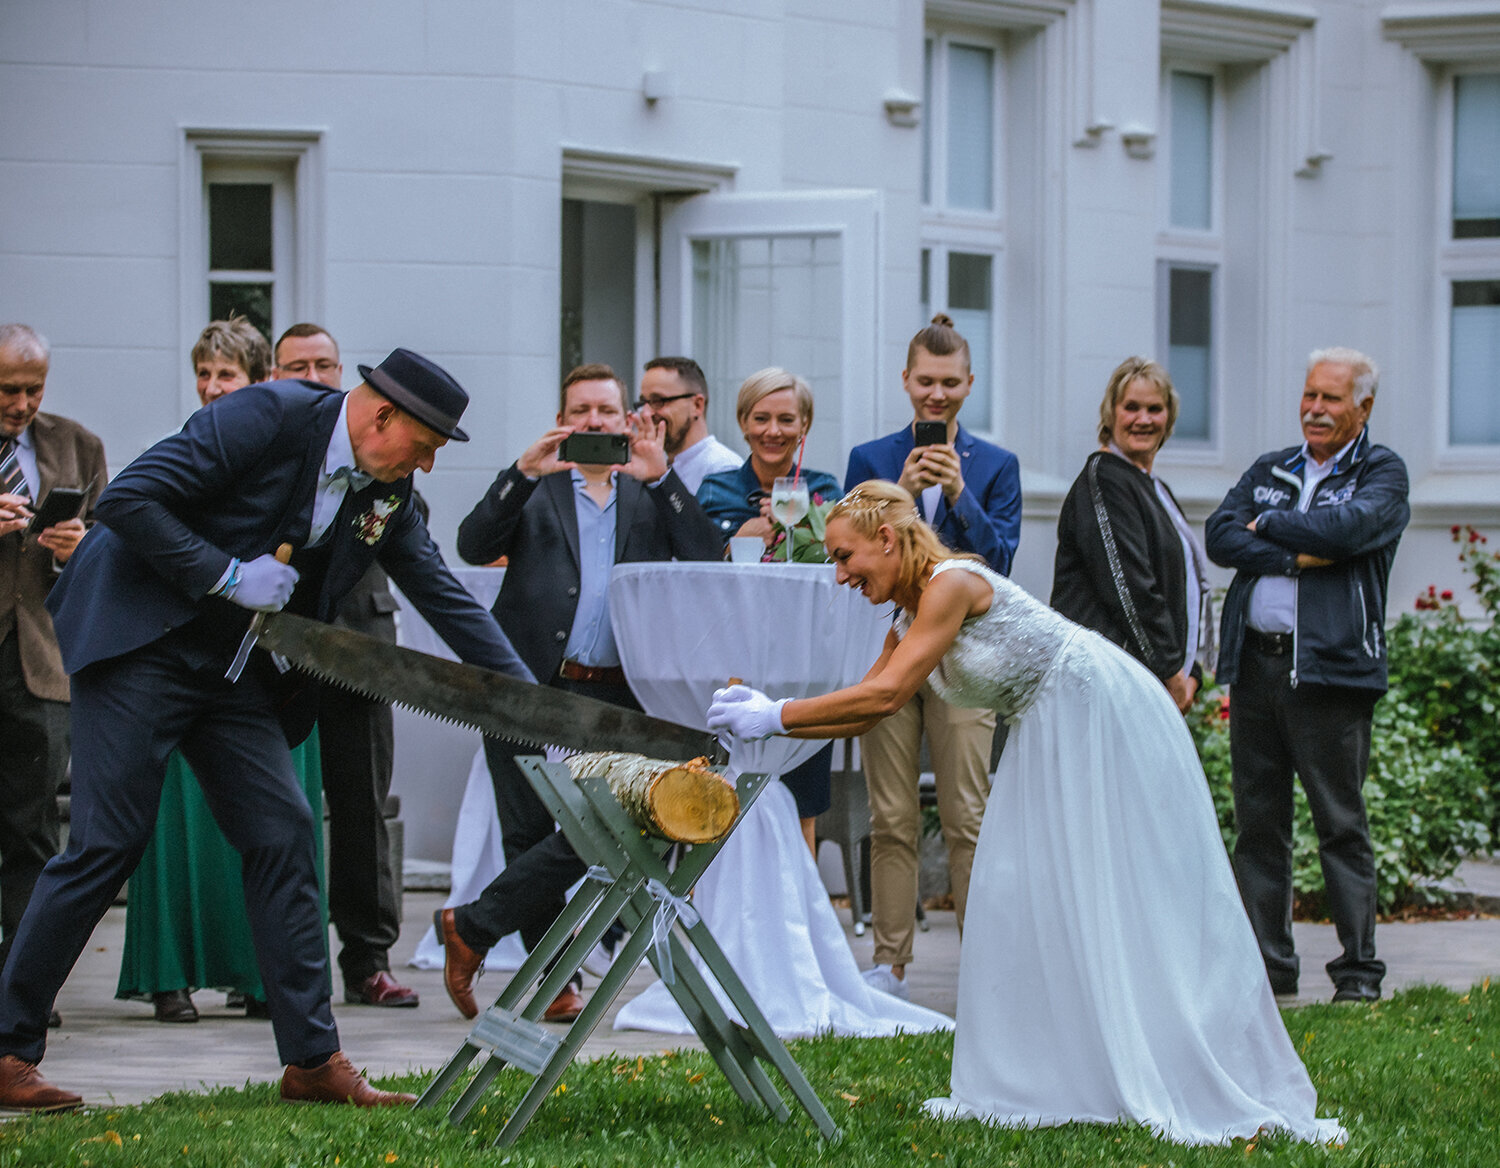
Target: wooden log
[683,801]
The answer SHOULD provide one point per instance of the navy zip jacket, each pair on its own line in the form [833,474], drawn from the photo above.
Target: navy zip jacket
[1355,519]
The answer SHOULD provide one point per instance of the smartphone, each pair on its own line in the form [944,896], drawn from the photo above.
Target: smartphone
[595,449]
[932,434]
[60,505]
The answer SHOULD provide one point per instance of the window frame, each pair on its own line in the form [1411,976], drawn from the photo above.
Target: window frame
[1457,261]
[936,39]
[1195,249]
[206,154]
[945,230]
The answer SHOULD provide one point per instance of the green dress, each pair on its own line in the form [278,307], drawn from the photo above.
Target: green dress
[185,923]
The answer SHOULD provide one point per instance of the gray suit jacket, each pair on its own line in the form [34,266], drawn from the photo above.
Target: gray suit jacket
[67,455]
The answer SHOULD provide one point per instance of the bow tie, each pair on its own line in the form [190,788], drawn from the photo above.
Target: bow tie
[357,479]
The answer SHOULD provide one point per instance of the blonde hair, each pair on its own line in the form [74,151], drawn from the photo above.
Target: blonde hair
[1137,369]
[768,381]
[877,502]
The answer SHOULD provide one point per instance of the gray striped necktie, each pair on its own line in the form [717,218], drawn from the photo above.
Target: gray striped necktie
[12,480]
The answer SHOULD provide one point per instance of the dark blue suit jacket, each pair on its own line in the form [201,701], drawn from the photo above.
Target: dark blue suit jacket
[986,519]
[237,481]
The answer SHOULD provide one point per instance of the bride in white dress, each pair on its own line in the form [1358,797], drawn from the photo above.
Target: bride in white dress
[1108,971]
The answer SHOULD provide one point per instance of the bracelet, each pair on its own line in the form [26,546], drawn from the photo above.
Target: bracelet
[226,589]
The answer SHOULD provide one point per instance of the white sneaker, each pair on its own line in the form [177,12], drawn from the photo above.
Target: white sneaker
[881,978]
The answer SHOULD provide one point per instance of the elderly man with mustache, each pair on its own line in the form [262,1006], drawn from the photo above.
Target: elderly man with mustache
[1311,532]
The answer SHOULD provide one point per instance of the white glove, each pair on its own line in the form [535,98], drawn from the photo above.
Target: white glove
[746,713]
[265,584]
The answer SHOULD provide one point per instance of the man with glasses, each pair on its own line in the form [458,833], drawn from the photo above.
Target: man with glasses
[674,391]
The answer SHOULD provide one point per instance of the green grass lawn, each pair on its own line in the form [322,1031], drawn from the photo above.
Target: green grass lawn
[1415,1079]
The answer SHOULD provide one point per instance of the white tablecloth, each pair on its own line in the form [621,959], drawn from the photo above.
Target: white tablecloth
[683,630]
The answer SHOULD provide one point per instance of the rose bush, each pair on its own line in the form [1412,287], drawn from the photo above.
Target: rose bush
[1435,745]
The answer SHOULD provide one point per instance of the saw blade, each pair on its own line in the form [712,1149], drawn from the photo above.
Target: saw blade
[468,695]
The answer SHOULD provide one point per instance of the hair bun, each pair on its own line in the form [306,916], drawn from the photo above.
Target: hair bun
[944,320]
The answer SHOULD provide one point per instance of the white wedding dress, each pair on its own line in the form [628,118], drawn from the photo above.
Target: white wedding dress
[1108,970]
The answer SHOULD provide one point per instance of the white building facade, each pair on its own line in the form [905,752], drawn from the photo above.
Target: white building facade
[511,187]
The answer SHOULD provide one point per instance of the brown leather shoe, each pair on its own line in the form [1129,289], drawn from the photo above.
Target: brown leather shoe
[566,1006]
[22,1088]
[461,965]
[336,1081]
[381,989]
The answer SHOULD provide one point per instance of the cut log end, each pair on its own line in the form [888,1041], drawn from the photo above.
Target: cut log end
[686,802]
[693,806]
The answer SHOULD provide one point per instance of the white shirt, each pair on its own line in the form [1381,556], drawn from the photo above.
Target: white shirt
[1273,600]
[26,457]
[707,456]
[329,496]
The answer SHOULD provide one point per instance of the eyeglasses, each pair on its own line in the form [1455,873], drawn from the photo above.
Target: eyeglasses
[656,403]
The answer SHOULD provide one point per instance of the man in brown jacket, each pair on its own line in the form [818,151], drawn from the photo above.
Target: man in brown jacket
[37,453]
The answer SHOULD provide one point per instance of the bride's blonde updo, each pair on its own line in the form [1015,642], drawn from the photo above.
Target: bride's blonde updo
[878,502]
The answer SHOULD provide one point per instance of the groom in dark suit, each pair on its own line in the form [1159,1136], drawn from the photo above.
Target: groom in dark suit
[563,526]
[149,614]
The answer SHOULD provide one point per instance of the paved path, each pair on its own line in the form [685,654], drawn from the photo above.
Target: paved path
[114,1051]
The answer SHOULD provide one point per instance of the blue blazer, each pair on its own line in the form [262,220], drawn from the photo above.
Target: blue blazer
[986,519]
[237,481]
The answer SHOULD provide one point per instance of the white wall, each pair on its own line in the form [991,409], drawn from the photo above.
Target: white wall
[441,136]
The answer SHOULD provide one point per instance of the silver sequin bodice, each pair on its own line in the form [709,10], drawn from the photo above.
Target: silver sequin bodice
[1001,657]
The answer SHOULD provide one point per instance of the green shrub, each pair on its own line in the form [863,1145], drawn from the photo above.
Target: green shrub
[1434,751]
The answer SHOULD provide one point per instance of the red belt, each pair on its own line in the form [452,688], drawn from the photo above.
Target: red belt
[612,674]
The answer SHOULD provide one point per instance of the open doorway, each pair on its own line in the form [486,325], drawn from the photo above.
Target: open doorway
[597,318]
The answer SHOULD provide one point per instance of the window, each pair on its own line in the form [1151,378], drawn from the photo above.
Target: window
[1191,245]
[963,237]
[250,229]
[762,300]
[1471,263]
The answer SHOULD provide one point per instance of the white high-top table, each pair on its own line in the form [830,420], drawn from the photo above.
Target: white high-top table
[684,629]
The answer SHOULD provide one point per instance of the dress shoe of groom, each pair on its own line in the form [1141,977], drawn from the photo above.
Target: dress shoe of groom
[566,1006]
[380,989]
[336,1081]
[22,1088]
[461,965]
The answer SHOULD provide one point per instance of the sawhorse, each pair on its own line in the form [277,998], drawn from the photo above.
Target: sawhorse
[649,899]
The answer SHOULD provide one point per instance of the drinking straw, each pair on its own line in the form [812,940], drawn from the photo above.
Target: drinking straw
[801,446]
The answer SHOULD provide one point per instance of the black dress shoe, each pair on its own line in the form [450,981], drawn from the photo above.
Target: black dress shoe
[255,1008]
[174,1006]
[1357,991]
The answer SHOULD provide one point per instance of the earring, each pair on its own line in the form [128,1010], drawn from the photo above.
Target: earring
[887,551]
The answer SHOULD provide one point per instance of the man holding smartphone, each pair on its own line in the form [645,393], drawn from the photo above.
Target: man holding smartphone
[53,468]
[969,492]
[593,491]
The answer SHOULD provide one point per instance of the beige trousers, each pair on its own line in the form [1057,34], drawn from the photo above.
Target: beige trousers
[959,741]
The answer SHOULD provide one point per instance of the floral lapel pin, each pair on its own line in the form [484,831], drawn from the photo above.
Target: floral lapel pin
[370,526]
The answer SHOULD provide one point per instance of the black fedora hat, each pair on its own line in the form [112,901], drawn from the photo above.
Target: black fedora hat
[422,388]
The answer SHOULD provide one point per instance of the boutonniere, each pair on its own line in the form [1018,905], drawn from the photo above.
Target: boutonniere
[371,525]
